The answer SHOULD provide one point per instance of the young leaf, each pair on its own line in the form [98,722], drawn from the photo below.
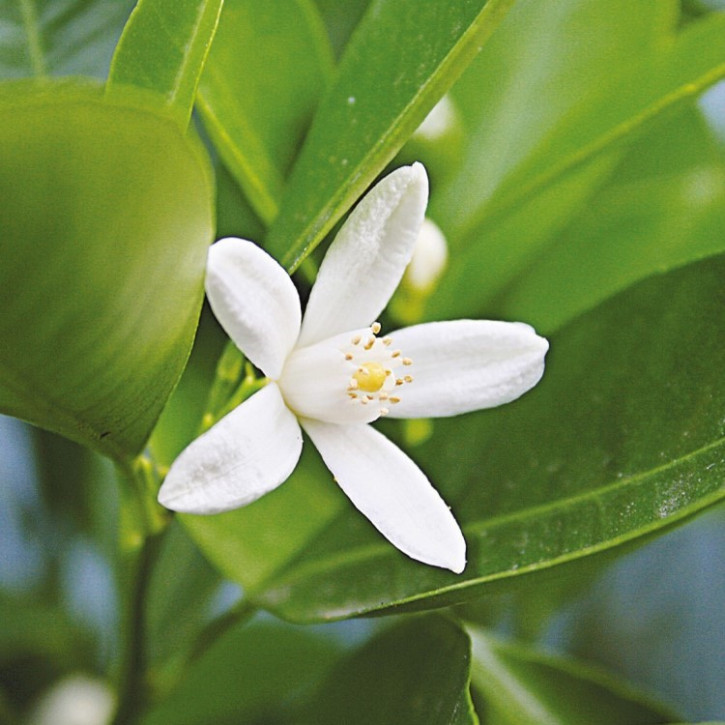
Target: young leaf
[622,439]
[401,59]
[163,49]
[522,686]
[417,673]
[62,37]
[256,101]
[665,206]
[529,162]
[107,213]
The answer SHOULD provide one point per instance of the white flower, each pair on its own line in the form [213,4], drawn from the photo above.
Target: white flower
[331,374]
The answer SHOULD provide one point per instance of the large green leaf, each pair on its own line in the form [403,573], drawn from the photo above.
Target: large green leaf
[107,213]
[401,59]
[665,206]
[59,37]
[417,673]
[163,49]
[543,140]
[253,674]
[522,686]
[622,439]
[266,70]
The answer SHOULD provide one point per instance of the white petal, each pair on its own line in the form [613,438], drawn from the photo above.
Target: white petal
[364,264]
[255,302]
[249,452]
[388,488]
[467,365]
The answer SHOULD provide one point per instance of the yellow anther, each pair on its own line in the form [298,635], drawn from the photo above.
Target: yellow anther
[394,399]
[408,378]
[375,327]
[369,377]
[407,361]
[348,356]
[356,340]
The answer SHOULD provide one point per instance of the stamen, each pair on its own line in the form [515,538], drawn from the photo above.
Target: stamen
[387,341]
[356,340]
[395,354]
[382,395]
[353,384]
[407,361]
[394,399]
[399,381]
[375,327]
[408,378]
[369,343]
[348,356]
[384,411]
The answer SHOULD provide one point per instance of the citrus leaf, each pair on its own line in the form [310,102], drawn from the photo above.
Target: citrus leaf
[107,213]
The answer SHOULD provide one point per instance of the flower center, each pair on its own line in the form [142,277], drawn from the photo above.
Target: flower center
[370,377]
[353,377]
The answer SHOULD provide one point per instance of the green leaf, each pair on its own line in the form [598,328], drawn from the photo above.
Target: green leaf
[631,66]
[664,207]
[59,37]
[401,59]
[621,440]
[107,213]
[523,686]
[417,672]
[263,79]
[163,49]
[253,674]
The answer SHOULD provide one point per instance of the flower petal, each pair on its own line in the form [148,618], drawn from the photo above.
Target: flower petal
[467,365]
[388,488]
[364,264]
[249,452]
[255,302]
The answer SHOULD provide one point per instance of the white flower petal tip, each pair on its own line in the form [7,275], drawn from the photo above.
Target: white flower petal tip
[392,492]
[246,454]
[366,261]
[255,302]
[465,365]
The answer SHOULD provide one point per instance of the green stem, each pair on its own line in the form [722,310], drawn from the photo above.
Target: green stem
[133,693]
[143,525]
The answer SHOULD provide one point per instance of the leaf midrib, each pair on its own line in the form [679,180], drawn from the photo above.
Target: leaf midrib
[303,568]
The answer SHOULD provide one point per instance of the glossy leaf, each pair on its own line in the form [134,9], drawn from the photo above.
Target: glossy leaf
[417,672]
[631,66]
[622,439]
[401,59]
[107,215]
[664,207]
[163,49]
[522,686]
[59,37]
[262,81]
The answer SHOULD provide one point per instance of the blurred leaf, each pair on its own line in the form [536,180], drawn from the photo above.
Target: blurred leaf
[656,618]
[266,70]
[523,686]
[622,439]
[341,20]
[59,37]
[401,59]
[163,49]
[551,102]
[254,674]
[251,544]
[107,216]
[664,207]
[417,672]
